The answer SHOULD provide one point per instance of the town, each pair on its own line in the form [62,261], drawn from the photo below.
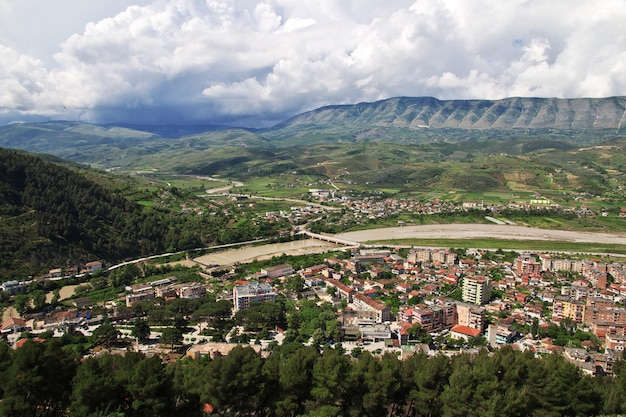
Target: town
[400,300]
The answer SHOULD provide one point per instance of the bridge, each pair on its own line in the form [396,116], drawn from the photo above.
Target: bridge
[330,239]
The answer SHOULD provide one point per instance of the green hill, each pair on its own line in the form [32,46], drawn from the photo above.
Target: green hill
[51,215]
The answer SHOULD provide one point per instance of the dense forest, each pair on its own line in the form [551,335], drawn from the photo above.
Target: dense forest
[52,216]
[43,378]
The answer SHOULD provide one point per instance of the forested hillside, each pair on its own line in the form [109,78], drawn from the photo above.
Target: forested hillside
[51,213]
[300,381]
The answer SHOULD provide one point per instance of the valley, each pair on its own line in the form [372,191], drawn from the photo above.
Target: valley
[199,247]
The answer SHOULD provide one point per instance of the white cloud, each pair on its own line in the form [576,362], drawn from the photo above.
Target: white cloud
[225,59]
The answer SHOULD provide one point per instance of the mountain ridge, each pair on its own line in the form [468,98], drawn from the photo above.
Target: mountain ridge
[504,114]
[401,120]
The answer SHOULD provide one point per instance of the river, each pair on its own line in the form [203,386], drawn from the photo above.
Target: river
[250,253]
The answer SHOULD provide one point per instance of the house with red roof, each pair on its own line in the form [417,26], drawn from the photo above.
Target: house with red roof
[463,332]
[13,325]
[24,340]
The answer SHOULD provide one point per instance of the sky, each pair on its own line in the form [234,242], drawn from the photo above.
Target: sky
[256,63]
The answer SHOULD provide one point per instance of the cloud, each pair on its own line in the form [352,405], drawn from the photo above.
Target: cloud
[257,62]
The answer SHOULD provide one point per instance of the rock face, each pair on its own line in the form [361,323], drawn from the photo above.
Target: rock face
[510,113]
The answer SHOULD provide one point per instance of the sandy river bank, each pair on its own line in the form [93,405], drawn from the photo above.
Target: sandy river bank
[470,231]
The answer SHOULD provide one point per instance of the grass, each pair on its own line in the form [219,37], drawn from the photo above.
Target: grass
[525,245]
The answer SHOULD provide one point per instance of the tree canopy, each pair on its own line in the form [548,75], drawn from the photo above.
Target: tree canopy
[42,378]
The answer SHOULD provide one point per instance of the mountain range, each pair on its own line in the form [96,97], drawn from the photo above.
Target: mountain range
[506,114]
[400,120]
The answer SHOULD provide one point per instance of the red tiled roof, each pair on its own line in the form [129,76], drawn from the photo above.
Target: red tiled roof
[13,321]
[468,331]
[374,304]
[21,342]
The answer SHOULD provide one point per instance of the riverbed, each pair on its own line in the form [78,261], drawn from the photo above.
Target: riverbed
[477,231]
[250,253]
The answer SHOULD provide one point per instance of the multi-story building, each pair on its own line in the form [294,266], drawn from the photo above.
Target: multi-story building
[615,342]
[470,315]
[343,291]
[499,334]
[191,290]
[93,266]
[431,255]
[371,309]
[139,297]
[526,264]
[605,314]
[562,264]
[596,278]
[476,290]
[567,307]
[253,292]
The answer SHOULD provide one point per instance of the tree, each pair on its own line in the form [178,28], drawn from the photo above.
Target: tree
[428,378]
[21,303]
[39,378]
[141,330]
[5,362]
[105,334]
[101,372]
[150,388]
[296,373]
[534,328]
[294,283]
[172,336]
[332,291]
[329,384]
[234,384]
[39,299]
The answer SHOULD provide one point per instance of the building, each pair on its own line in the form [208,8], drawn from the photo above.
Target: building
[13,287]
[93,266]
[615,342]
[13,325]
[278,271]
[375,332]
[55,273]
[371,310]
[431,255]
[343,291]
[567,307]
[605,314]
[463,332]
[470,315]
[500,334]
[476,290]
[253,292]
[431,318]
[526,264]
[191,290]
[139,297]
[215,350]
